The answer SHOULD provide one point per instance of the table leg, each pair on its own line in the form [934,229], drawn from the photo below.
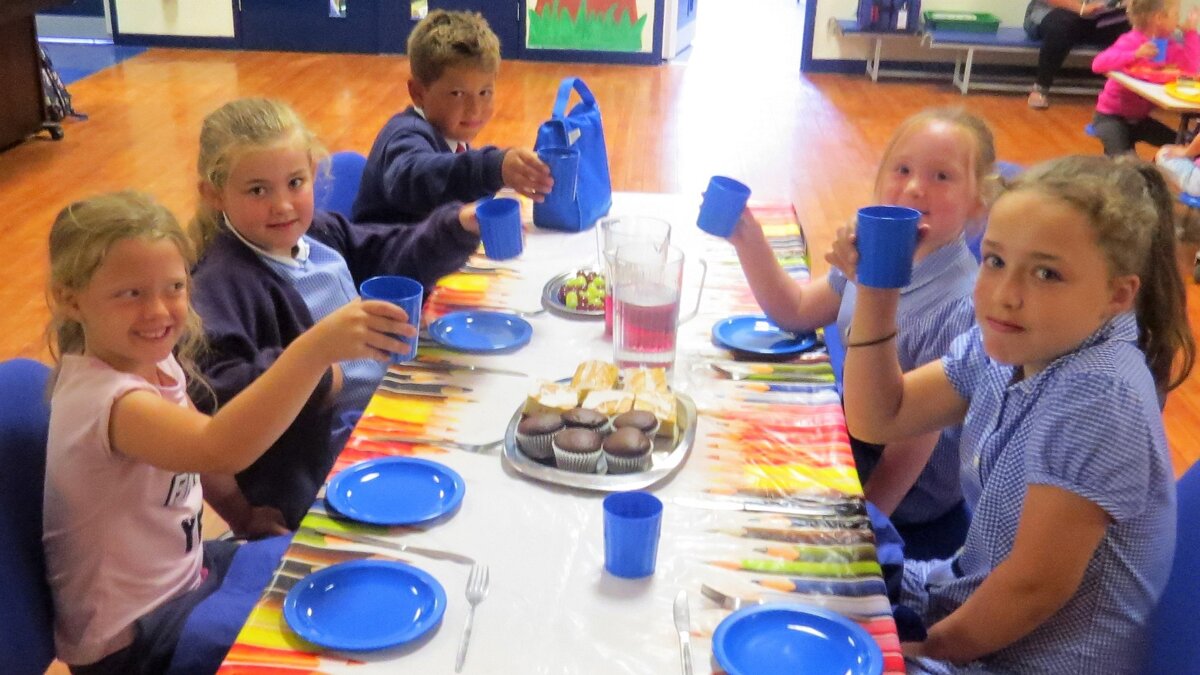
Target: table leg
[1185,121]
[966,80]
[873,64]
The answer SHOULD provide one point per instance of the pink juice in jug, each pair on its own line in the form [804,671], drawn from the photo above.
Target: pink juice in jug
[646,327]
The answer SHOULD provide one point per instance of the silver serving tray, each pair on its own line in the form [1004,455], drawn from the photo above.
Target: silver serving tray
[550,297]
[665,459]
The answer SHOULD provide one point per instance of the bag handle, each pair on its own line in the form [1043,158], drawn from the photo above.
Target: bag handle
[564,94]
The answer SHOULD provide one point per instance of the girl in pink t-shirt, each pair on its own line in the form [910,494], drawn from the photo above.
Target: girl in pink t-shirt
[124,555]
[1122,117]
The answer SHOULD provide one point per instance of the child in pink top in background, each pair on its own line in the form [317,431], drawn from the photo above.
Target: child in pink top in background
[1123,117]
[125,560]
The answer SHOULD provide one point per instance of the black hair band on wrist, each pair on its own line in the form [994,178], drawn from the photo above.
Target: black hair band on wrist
[870,343]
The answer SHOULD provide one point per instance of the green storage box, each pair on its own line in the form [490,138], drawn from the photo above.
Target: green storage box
[971,22]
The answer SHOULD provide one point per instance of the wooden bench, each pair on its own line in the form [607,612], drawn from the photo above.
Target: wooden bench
[844,27]
[1007,40]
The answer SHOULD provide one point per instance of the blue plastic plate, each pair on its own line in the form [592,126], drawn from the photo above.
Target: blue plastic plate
[395,491]
[364,604]
[784,639]
[756,334]
[477,331]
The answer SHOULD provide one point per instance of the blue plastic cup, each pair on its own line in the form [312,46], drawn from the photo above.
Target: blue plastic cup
[887,240]
[1162,44]
[632,522]
[724,201]
[401,291]
[500,227]
[564,169]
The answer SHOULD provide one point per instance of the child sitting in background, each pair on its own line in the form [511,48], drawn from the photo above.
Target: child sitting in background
[422,157]
[124,557]
[1122,117]
[1179,162]
[269,268]
[939,162]
[1080,328]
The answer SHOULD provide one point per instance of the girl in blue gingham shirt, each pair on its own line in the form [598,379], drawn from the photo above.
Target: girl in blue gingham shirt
[941,162]
[1080,331]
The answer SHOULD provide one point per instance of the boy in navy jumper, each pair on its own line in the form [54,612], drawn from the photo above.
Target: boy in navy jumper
[422,157]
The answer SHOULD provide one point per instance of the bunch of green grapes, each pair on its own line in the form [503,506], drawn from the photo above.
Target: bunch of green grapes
[585,291]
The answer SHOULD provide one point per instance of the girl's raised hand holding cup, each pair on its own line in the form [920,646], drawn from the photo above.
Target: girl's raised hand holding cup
[361,329]
[843,254]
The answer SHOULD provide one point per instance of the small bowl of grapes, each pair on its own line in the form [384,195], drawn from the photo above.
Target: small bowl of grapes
[579,293]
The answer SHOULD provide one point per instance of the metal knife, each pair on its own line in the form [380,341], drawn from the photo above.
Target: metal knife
[850,510]
[444,367]
[683,625]
[403,548]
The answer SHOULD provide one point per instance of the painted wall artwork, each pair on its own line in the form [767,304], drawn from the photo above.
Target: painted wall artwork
[601,25]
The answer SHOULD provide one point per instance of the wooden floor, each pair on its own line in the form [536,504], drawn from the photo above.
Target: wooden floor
[737,106]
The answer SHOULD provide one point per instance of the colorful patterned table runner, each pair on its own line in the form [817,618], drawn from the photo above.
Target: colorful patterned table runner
[768,432]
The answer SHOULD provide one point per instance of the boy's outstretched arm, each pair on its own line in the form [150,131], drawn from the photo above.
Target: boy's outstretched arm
[418,177]
[526,173]
[794,306]
[1058,533]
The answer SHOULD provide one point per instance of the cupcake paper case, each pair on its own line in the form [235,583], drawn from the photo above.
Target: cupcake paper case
[577,450]
[627,451]
[535,435]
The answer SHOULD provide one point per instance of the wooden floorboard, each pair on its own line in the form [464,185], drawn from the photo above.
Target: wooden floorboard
[738,106]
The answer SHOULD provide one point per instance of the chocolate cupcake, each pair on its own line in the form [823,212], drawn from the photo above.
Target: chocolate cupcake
[642,420]
[586,418]
[535,434]
[627,450]
[577,449]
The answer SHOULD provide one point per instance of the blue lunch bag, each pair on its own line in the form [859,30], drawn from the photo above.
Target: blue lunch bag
[581,131]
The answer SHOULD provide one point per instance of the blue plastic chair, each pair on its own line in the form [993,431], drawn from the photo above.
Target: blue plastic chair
[837,353]
[213,624]
[1008,170]
[336,185]
[1174,646]
[26,614]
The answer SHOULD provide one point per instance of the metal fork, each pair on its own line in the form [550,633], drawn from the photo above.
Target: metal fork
[477,588]
[731,602]
[525,313]
[734,603]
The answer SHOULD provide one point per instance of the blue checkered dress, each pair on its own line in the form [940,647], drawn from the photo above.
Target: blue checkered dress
[1097,432]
